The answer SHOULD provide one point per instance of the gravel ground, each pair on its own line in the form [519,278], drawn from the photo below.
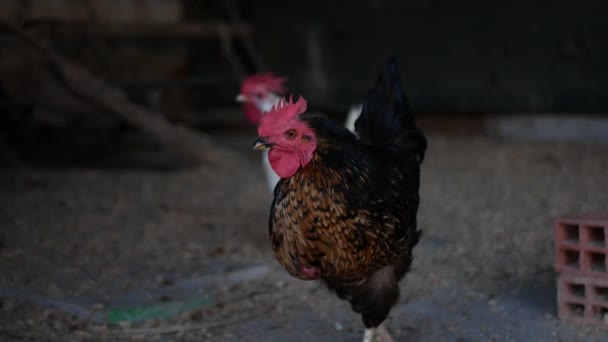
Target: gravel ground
[77,244]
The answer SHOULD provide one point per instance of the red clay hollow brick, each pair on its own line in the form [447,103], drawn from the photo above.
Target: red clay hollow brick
[583,299]
[581,246]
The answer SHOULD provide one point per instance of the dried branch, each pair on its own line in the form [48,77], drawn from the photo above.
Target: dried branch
[190,145]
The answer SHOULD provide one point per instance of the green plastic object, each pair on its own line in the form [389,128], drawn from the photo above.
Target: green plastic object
[157,311]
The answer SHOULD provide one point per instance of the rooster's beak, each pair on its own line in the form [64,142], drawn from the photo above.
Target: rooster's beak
[261,143]
[241,98]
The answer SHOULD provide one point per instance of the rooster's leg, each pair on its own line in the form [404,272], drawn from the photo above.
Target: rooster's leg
[379,334]
[368,336]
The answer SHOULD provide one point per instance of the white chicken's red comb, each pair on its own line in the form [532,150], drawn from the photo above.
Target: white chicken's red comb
[275,84]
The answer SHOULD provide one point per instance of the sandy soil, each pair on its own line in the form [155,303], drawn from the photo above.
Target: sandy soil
[77,245]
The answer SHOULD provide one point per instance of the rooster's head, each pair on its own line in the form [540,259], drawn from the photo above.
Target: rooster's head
[291,141]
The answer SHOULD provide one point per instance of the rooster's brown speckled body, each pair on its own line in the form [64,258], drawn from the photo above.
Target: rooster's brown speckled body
[349,217]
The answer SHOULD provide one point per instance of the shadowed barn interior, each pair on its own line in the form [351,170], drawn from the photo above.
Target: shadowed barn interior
[132,205]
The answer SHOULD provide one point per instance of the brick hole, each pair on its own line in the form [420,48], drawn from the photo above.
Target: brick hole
[597,235]
[601,313]
[601,292]
[577,290]
[598,262]
[571,258]
[570,232]
[577,310]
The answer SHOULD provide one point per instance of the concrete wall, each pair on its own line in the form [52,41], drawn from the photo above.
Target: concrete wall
[468,55]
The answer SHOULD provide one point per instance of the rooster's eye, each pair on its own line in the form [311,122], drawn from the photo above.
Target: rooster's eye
[291,134]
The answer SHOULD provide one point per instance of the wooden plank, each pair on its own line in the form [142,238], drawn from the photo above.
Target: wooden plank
[144,30]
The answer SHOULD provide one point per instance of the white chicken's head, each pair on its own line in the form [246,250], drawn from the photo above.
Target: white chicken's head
[259,93]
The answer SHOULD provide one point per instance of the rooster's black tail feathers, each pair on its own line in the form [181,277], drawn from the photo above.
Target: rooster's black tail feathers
[386,117]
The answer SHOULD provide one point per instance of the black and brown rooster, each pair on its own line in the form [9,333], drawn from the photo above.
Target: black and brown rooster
[344,211]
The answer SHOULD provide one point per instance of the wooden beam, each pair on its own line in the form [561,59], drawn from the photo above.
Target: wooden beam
[143,30]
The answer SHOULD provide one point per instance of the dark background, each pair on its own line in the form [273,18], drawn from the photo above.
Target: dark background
[460,63]
[463,56]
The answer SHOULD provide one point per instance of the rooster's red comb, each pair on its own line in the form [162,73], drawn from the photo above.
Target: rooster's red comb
[275,84]
[281,113]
